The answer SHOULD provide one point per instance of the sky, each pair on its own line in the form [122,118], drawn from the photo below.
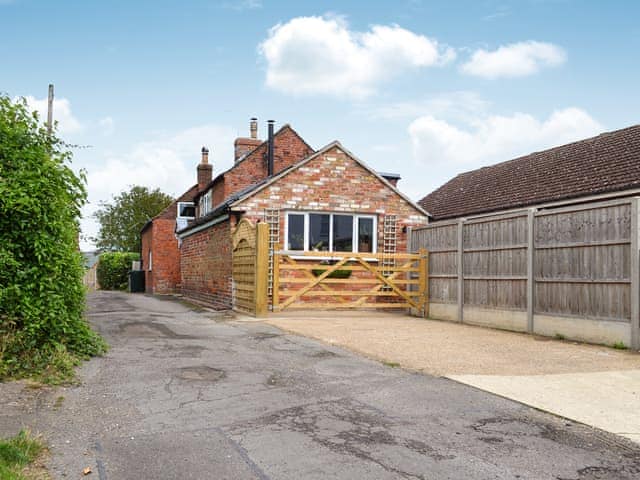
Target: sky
[426,89]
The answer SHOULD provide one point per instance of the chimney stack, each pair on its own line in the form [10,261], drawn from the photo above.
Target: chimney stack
[205,170]
[244,145]
[270,151]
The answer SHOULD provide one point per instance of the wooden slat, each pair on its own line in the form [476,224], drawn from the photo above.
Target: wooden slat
[556,246]
[347,281]
[353,268]
[346,293]
[354,256]
[339,306]
[582,280]
[519,246]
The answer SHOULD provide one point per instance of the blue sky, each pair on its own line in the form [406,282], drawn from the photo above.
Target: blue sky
[426,89]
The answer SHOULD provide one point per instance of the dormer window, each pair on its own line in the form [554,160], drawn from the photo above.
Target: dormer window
[186,210]
[204,206]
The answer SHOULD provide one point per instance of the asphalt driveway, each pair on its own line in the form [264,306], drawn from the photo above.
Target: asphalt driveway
[187,394]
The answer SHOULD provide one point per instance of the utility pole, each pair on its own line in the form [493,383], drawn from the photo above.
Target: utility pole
[50,109]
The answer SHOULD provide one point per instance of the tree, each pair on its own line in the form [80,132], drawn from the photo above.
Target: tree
[122,220]
[42,324]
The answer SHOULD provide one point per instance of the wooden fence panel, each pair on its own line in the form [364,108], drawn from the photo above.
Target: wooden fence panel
[582,262]
[442,243]
[495,262]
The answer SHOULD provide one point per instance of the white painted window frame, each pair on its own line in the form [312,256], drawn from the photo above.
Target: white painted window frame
[355,217]
[180,204]
[205,204]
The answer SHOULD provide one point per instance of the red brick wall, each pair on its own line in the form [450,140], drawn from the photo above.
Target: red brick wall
[334,182]
[288,148]
[166,257]
[205,262]
[165,274]
[217,196]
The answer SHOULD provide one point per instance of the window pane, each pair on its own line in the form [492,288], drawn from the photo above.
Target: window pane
[295,232]
[342,233]
[187,210]
[365,234]
[318,232]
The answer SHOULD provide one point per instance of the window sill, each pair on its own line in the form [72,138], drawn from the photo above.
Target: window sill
[321,257]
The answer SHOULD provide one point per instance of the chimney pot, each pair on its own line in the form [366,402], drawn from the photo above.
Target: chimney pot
[205,155]
[253,127]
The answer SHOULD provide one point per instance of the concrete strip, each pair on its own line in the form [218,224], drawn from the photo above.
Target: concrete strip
[609,401]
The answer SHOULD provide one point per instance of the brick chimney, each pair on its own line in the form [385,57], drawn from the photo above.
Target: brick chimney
[205,170]
[244,145]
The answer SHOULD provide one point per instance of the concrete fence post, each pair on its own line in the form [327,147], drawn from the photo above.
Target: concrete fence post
[460,255]
[530,268]
[424,281]
[635,275]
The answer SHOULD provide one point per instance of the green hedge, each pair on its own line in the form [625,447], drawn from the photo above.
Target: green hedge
[41,292]
[113,269]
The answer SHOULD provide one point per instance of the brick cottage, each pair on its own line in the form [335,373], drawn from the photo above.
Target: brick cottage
[159,245]
[325,200]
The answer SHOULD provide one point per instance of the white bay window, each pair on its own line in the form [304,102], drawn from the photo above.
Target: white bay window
[330,232]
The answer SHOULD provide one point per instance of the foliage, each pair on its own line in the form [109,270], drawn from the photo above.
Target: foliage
[16,453]
[619,346]
[113,269]
[122,220]
[41,269]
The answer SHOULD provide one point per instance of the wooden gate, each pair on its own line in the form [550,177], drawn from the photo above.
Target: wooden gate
[250,267]
[350,281]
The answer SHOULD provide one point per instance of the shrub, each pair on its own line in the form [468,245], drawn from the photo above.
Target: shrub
[113,269]
[41,269]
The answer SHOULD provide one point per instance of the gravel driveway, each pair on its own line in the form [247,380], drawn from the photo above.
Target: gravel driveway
[447,348]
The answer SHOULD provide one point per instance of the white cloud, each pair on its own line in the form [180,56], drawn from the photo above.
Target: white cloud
[494,138]
[321,55]
[67,122]
[514,60]
[168,163]
[165,163]
[460,105]
[240,5]
[107,125]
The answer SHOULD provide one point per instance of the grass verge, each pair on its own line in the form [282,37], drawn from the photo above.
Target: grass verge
[51,363]
[17,454]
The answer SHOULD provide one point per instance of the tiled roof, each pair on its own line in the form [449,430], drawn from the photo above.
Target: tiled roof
[607,163]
